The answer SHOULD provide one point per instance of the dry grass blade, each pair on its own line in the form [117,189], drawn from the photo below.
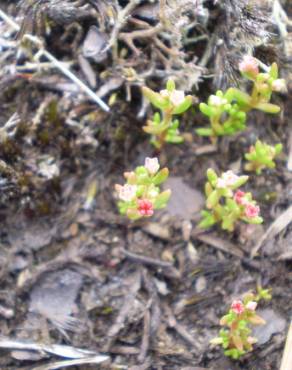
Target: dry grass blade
[287,356]
[62,364]
[54,349]
[289,162]
[220,244]
[277,226]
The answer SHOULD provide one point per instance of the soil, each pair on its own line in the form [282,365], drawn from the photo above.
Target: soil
[149,294]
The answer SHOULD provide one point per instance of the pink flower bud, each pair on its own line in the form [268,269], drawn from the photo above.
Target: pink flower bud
[251,305]
[251,340]
[152,165]
[252,211]
[127,175]
[239,197]
[249,66]
[126,192]
[237,307]
[145,207]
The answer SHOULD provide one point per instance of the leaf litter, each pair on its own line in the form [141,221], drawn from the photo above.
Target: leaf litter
[77,281]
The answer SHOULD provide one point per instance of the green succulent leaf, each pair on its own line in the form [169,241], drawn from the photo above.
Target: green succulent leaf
[205,131]
[156,118]
[162,199]
[212,176]
[133,214]
[239,96]
[208,188]
[155,98]
[170,85]
[213,199]
[274,71]
[174,139]
[241,181]
[268,108]
[185,105]
[206,109]
[161,176]
[207,221]
[255,220]
[278,148]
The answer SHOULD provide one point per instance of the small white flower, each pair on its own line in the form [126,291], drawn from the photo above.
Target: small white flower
[226,180]
[251,340]
[176,97]
[279,85]
[164,93]
[251,305]
[152,165]
[217,101]
[126,192]
[249,65]
[152,193]
[221,183]
[230,178]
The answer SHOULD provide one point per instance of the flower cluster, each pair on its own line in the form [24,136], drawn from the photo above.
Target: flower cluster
[236,340]
[262,156]
[264,84]
[248,207]
[227,111]
[170,101]
[225,205]
[141,195]
[225,115]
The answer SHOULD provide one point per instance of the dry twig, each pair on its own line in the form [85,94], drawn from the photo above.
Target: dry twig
[43,52]
[220,244]
[277,226]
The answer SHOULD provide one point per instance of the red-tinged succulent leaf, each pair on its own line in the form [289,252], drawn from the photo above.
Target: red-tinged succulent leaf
[237,341]
[256,320]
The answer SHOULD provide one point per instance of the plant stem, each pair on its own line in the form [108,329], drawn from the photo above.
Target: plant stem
[167,116]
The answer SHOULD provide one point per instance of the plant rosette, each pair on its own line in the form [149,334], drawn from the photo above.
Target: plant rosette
[226,203]
[262,156]
[264,84]
[224,113]
[236,339]
[141,195]
[227,111]
[171,102]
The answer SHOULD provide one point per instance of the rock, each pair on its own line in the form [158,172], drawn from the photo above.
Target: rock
[274,324]
[185,201]
[201,284]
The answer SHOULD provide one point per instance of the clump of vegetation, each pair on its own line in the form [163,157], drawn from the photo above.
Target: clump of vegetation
[261,156]
[226,206]
[171,102]
[236,340]
[227,111]
[141,194]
